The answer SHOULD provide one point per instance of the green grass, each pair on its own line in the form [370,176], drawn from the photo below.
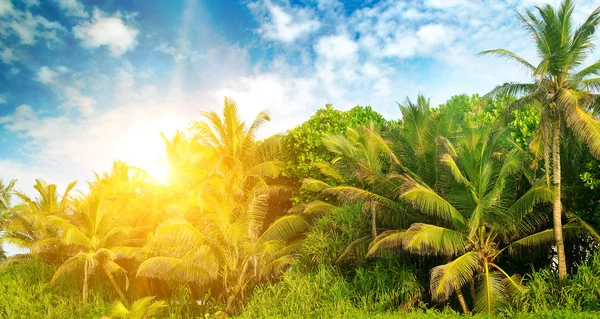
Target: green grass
[25,293]
[321,293]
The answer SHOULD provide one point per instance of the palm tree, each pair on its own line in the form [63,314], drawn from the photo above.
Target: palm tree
[6,192]
[217,233]
[96,239]
[563,89]
[479,216]
[373,165]
[27,226]
[232,143]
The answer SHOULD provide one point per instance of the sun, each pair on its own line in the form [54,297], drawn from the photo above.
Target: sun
[147,154]
[158,170]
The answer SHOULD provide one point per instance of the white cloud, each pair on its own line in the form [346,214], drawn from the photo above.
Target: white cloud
[84,104]
[336,47]
[29,27]
[170,50]
[286,24]
[7,56]
[6,7]
[46,75]
[445,4]
[67,90]
[109,31]
[2,98]
[73,8]
[14,71]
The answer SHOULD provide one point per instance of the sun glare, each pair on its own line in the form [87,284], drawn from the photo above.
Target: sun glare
[147,154]
[158,170]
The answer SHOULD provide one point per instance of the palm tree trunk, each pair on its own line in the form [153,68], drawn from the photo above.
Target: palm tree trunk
[547,157]
[472,289]
[373,222]
[463,302]
[85,285]
[114,283]
[557,205]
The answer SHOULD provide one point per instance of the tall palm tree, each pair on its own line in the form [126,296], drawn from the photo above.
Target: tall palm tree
[479,216]
[563,89]
[96,239]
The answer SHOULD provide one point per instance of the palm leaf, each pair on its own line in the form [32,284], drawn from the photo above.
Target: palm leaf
[445,279]
[427,239]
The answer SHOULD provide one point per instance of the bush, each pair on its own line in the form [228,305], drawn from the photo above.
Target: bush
[304,147]
[386,284]
[313,294]
[25,293]
[332,233]
[325,292]
[577,293]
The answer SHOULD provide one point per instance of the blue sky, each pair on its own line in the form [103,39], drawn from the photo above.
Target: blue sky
[85,82]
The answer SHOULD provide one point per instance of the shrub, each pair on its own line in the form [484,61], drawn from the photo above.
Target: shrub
[25,294]
[577,293]
[332,233]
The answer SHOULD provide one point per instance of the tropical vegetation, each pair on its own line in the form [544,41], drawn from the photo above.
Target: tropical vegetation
[484,206]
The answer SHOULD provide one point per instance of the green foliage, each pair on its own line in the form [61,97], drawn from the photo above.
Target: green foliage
[577,293]
[325,293]
[591,176]
[386,284]
[332,233]
[303,145]
[25,294]
[522,121]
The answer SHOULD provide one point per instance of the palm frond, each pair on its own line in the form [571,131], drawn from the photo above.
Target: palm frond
[510,56]
[390,239]
[445,279]
[427,239]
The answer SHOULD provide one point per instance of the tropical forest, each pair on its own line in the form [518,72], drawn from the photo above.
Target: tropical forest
[484,206]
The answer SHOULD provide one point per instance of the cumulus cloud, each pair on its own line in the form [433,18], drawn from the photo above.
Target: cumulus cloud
[286,24]
[7,56]
[336,47]
[73,8]
[109,31]
[46,75]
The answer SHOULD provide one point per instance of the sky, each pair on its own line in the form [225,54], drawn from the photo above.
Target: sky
[85,82]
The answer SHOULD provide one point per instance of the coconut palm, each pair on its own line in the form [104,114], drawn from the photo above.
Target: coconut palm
[222,242]
[372,164]
[564,90]
[233,144]
[217,233]
[27,225]
[479,215]
[6,192]
[95,241]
